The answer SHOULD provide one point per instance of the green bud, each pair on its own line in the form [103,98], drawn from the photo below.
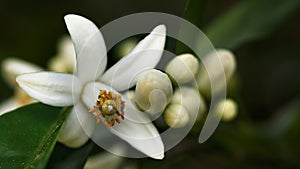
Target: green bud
[228,108]
[125,47]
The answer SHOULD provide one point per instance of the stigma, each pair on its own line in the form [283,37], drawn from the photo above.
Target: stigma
[109,108]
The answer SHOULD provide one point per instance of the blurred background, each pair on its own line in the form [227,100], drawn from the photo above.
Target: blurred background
[266,131]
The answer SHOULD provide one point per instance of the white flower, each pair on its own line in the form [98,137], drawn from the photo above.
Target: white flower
[81,90]
[64,61]
[10,69]
[13,67]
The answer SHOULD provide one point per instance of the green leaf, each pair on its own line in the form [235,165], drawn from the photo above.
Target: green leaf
[286,120]
[193,12]
[28,135]
[249,20]
[64,157]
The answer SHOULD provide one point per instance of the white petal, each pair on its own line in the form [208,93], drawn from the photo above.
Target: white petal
[144,56]
[89,46]
[12,67]
[56,89]
[142,136]
[78,127]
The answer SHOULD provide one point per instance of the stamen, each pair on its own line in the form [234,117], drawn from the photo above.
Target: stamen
[109,107]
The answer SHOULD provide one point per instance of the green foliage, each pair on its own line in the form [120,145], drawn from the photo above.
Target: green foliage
[28,135]
[249,20]
[193,12]
[64,157]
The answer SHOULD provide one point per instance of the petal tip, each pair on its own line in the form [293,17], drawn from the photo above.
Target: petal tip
[70,17]
[160,29]
[73,20]
[20,79]
[159,157]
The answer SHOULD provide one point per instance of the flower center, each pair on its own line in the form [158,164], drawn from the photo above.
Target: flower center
[109,107]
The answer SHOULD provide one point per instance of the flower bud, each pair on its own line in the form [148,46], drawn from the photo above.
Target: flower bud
[12,67]
[105,159]
[190,99]
[125,47]
[216,72]
[183,68]
[227,108]
[153,91]
[176,116]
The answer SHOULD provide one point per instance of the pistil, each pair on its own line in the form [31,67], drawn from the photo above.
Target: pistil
[109,107]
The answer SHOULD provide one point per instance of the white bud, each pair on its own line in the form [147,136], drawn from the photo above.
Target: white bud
[190,99]
[65,59]
[183,68]
[56,64]
[227,108]
[153,91]
[176,116]
[125,47]
[13,67]
[105,159]
[216,72]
